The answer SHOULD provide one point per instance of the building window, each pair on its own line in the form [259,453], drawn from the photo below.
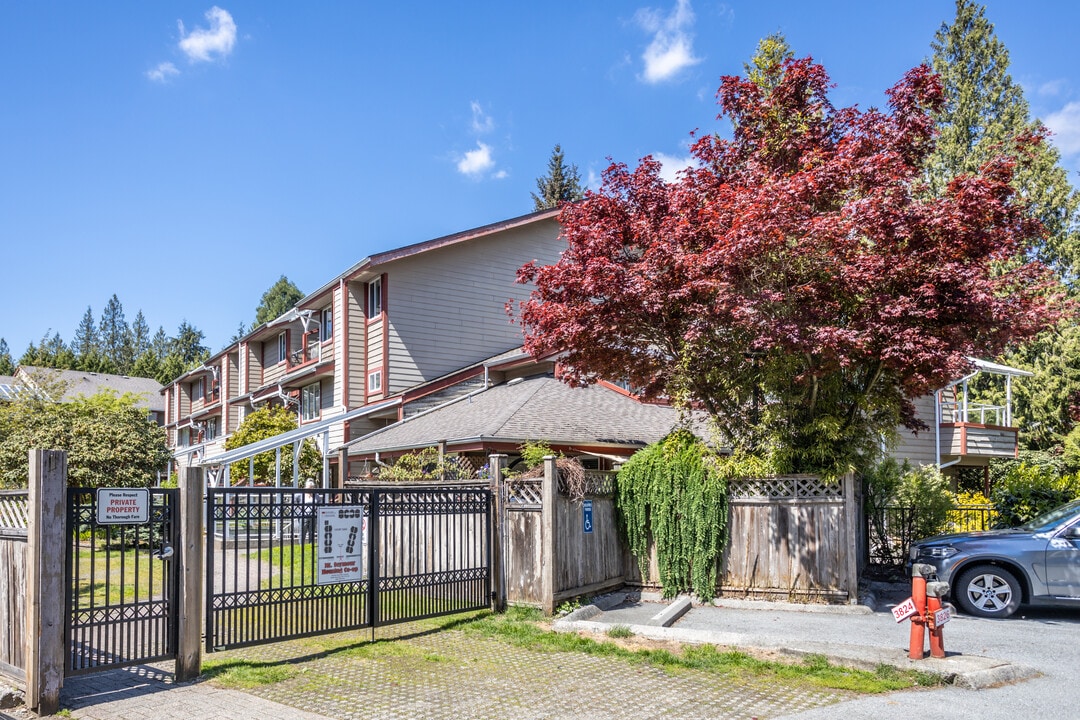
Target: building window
[311,401]
[282,347]
[211,430]
[197,390]
[326,325]
[374,298]
[374,381]
[183,437]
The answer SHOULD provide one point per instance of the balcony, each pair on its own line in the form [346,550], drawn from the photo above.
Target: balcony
[971,432]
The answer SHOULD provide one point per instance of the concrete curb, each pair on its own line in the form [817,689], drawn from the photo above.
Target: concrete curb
[968,671]
[860,609]
[671,613]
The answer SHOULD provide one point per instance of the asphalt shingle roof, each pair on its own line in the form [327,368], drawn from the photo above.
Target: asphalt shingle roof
[87,384]
[536,408]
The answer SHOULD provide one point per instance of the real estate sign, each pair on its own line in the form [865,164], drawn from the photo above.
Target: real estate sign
[341,542]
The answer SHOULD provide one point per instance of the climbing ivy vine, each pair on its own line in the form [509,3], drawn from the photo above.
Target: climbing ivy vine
[674,492]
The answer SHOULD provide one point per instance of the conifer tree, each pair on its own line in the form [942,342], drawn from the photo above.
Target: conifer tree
[279,298]
[115,335]
[561,184]
[985,113]
[86,336]
[7,365]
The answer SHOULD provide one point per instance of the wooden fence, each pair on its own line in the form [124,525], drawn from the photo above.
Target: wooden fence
[792,538]
[557,546]
[13,534]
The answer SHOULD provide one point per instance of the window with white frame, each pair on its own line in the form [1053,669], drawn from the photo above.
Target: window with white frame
[326,325]
[374,381]
[211,430]
[374,298]
[197,390]
[183,437]
[282,347]
[311,401]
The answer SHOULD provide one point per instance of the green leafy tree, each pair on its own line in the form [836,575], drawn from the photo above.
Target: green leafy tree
[281,297]
[984,114]
[260,425]
[107,437]
[561,184]
[140,336]
[7,365]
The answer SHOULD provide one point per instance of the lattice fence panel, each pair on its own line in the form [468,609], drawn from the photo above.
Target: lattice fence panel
[785,487]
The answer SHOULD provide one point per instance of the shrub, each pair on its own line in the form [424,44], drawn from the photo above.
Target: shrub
[1027,491]
[904,505]
[966,520]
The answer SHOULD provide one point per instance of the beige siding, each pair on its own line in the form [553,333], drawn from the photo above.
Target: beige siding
[985,442]
[447,307]
[337,347]
[919,449]
[355,298]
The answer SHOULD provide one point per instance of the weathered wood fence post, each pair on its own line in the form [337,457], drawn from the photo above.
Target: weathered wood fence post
[550,492]
[46,533]
[190,612]
[497,468]
[851,526]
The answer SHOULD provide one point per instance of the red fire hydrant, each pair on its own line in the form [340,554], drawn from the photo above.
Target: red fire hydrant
[934,619]
[917,643]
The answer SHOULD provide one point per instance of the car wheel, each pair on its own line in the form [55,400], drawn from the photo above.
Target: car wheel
[987,591]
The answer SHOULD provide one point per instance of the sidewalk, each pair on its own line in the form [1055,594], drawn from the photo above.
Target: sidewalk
[450,673]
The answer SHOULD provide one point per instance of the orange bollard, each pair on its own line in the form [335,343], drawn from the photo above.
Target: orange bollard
[934,592]
[917,642]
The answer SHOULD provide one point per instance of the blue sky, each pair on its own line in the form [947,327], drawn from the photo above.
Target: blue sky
[185,155]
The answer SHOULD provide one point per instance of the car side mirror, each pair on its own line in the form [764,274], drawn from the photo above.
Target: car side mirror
[1073,533]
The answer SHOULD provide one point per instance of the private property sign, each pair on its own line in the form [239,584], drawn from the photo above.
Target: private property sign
[123,506]
[341,538]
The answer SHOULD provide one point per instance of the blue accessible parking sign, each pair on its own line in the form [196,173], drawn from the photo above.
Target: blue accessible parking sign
[586,516]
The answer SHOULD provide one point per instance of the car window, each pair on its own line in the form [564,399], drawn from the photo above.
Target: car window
[1047,521]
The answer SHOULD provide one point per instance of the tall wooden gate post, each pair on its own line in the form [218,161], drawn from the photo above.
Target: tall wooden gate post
[189,614]
[550,491]
[45,580]
[497,466]
[851,514]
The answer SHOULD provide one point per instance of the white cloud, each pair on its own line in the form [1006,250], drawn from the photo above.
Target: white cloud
[671,165]
[202,44]
[672,46]
[476,162]
[1065,124]
[162,72]
[481,122]
[501,175]
[1052,88]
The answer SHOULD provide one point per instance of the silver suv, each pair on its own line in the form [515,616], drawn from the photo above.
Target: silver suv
[993,571]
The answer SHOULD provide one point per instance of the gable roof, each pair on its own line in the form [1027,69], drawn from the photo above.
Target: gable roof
[86,384]
[535,408]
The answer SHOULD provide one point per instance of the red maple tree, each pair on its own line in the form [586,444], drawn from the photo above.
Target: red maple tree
[800,283]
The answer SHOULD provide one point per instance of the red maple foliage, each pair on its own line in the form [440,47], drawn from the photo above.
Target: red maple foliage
[801,283]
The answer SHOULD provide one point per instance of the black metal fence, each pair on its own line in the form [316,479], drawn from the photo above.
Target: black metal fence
[121,582]
[893,529]
[286,563]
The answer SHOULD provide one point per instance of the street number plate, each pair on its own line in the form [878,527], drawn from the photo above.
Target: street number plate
[941,617]
[905,610]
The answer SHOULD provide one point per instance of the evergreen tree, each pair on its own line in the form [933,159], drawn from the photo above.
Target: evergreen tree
[50,352]
[767,66]
[561,184]
[115,335]
[985,113]
[281,297]
[241,331]
[187,345]
[86,336]
[140,336]
[7,365]
[159,344]
[147,365]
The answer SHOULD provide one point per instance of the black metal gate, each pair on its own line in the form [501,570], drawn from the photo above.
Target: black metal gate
[286,563]
[121,579]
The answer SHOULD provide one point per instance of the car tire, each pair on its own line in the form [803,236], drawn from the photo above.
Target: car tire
[987,591]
